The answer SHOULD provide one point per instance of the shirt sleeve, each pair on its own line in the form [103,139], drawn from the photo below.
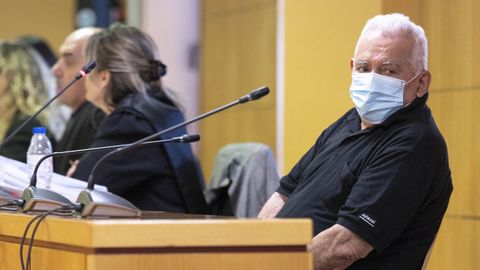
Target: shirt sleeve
[385,197]
[290,181]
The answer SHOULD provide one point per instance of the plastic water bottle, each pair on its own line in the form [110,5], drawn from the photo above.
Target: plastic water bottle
[40,146]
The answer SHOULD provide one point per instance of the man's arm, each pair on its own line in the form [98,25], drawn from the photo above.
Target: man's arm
[337,248]
[273,205]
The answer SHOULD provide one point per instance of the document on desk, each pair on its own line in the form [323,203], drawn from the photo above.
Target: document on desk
[15,177]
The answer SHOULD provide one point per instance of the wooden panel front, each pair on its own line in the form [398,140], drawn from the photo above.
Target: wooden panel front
[206,242]
[238,51]
[203,261]
[52,20]
[54,258]
[42,258]
[457,115]
[457,245]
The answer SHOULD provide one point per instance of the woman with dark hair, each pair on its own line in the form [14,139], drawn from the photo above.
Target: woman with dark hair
[126,86]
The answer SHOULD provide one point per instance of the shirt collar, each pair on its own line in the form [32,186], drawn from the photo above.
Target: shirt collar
[353,119]
[406,112]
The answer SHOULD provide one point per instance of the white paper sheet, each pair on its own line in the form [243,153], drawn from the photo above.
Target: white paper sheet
[14,178]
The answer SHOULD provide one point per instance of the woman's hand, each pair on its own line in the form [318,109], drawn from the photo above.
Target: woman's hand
[73,167]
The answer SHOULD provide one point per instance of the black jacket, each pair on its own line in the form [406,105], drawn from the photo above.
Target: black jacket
[160,177]
[17,147]
[79,133]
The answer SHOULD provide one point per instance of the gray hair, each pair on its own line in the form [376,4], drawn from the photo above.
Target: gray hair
[394,24]
[127,53]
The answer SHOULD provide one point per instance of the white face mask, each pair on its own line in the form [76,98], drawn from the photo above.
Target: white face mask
[376,96]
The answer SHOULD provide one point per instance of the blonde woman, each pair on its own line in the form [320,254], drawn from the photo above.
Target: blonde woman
[21,94]
[57,114]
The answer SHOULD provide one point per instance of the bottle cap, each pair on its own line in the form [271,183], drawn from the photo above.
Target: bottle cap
[39,130]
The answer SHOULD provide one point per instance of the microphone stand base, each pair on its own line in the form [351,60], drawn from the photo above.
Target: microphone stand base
[105,204]
[39,199]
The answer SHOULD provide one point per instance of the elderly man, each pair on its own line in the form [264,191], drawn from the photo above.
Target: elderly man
[82,125]
[377,181]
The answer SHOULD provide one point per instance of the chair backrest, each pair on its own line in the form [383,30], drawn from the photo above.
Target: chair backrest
[247,171]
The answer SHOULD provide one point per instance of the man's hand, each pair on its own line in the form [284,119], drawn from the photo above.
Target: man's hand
[337,248]
[272,206]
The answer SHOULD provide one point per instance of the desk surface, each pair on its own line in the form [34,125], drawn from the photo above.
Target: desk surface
[161,229]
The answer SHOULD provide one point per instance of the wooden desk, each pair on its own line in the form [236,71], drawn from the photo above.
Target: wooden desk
[159,241]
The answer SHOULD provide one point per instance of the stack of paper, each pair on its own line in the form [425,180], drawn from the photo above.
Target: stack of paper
[15,177]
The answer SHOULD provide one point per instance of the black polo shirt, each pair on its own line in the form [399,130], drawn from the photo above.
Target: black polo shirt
[389,184]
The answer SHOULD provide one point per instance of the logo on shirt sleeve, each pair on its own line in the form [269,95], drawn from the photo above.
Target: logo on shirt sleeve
[370,221]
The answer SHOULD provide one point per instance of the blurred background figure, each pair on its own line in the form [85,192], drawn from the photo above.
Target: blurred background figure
[57,115]
[41,47]
[82,125]
[22,93]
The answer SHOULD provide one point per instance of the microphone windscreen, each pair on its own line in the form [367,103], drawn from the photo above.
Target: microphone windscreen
[191,138]
[85,70]
[260,92]
[89,66]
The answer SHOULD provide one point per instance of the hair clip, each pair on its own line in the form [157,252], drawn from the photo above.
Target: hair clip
[158,69]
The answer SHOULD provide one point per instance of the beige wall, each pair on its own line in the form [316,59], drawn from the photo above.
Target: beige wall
[50,19]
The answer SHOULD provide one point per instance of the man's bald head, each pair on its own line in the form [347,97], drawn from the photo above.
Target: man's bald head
[80,37]
[71,60]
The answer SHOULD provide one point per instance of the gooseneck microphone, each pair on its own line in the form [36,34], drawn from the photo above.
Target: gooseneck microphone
[82,73]
[254,95]
[38,199]
[6,196]
[187,138]
[92,199]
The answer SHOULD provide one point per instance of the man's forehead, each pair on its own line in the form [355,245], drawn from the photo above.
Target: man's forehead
[384,62]
[74,43]
[394,49]
[386,41]
[71,46]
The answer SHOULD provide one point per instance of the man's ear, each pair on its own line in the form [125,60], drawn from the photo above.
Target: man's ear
[424,83]
[351,64]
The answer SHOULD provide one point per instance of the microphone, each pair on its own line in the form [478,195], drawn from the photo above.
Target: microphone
[6,196]
[255,94]
[82,73]
[90,198]
[39,199]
